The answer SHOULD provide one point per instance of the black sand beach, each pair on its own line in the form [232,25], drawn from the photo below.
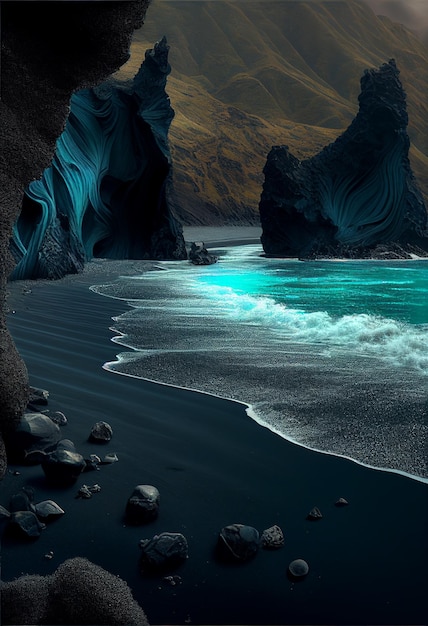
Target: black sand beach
[213,466]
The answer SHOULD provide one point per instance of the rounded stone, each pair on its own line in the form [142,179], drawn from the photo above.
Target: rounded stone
[298,568]
[164,550]
[238,542]
[101,432]
[143,504]
[35,431]
[58,417]
[64,465]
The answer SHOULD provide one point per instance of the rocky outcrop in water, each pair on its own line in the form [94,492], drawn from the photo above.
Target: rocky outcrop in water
[105,194]
[358,196]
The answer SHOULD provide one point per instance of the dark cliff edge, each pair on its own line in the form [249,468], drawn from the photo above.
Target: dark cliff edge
[105,194]
[358,197]
[49,50]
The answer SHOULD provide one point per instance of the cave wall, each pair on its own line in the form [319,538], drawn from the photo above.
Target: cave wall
[49,50]
[105,194]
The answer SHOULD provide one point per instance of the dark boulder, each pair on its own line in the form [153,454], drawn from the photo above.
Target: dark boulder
[357,193]
[163,551]
[27,523]
[64,465]
[199,255]
[101,432]
[34,432]
[238,542]
[143,504]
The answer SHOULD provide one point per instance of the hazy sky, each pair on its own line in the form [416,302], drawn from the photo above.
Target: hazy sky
[411,13]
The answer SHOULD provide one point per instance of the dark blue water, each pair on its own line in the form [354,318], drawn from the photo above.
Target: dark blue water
[330,354]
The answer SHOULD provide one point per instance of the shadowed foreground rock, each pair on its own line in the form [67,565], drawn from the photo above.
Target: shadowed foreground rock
[42,64]
[358,196]
[78,592]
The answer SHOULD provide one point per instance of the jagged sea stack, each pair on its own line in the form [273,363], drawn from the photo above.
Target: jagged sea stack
[105,194]
[358,196]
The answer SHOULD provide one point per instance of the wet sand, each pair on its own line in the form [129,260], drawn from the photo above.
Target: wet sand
[213,466]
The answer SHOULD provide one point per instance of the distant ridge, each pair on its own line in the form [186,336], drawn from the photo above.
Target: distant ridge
[249,75]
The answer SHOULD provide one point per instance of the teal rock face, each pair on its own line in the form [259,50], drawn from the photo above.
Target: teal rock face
[105,194]
[357,193]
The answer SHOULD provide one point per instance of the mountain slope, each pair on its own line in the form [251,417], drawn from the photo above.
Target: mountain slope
[248,75]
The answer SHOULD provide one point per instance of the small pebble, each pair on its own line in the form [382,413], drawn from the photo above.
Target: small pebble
[272,538]
[298,568]
[314,514]
[111,457]
[341,502]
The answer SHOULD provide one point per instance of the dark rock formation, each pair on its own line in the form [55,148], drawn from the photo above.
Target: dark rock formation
[105,193]
[64,465]
[238,542]
[199,255]
[101,432]
[42,64]
[272,538]
[298,569]
[357,193]
[27,524]
[78,592]
[143,504]
[35,432]
[163,551]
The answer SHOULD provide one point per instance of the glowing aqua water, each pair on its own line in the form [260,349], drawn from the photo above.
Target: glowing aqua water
[333,355]
[395,290]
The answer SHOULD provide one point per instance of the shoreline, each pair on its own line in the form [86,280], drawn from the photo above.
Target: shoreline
[213,466]
[252,414]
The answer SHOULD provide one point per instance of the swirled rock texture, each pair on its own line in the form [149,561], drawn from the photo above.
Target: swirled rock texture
[358,196]
[105,193]
[42,64]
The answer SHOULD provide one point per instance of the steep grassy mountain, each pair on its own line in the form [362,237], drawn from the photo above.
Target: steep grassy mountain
[247,75]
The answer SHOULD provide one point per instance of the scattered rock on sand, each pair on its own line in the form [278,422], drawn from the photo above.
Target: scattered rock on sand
[314,514]
[58,417]
[38,397]
[47,509]
[111,457]
[238,542]
[35,431]
[164,550]
[272,538]
[101,432]
[27,523]
[341,502]
[298,568]
[64,465]
[143,504]
[86,491]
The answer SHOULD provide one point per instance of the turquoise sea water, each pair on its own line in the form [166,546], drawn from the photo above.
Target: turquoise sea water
[330,354]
